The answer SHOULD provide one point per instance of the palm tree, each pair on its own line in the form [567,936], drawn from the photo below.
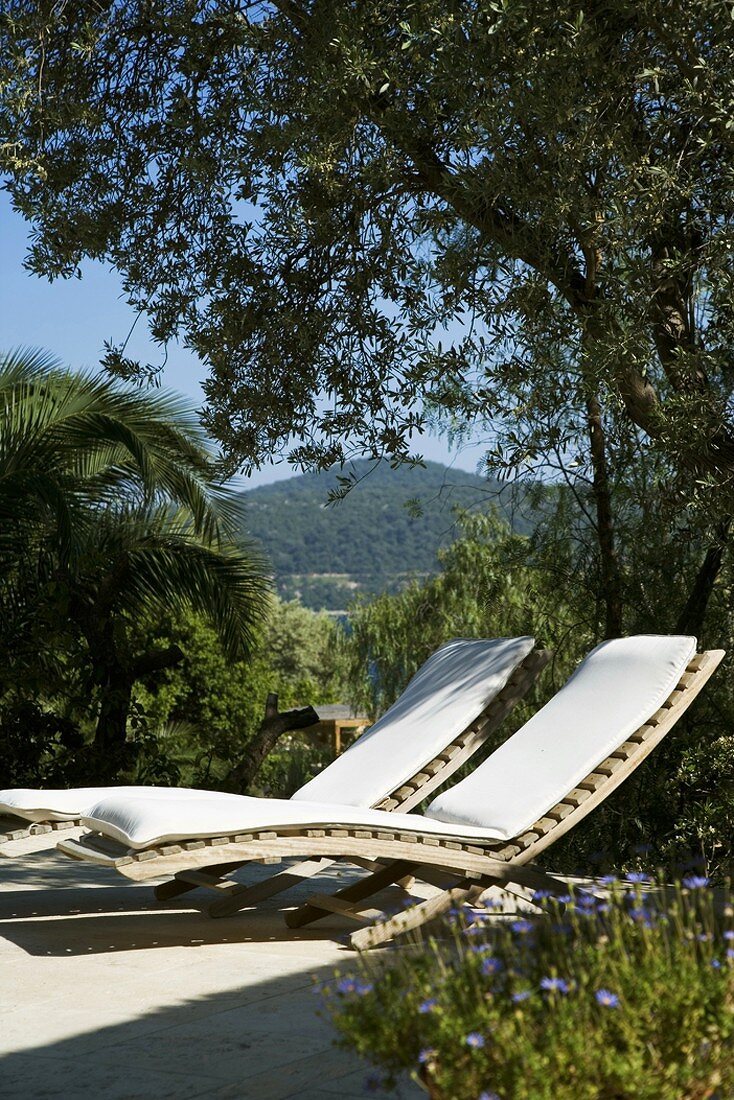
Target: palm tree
[110,507]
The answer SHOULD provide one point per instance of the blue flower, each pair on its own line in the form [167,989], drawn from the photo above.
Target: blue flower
[427,1006]
[426,1055]
[489,1096]
[608,880]
[729,935]
[635,877]
[521,995]
[730,952]
[541,895]
[522,926]
[346,985]
[586,901]
[641,916]
[481,920]
[695,882]
[554,985]
[362,988]
[475,1040]
[606,998]
[716,963]
[492,965]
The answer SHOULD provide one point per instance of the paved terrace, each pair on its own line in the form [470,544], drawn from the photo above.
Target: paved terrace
[107,993]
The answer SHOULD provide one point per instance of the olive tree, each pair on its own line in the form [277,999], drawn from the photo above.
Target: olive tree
[511,211]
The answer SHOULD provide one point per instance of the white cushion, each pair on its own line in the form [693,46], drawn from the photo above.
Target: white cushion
[66,805]
[142,822]
[613,691]
[446,694]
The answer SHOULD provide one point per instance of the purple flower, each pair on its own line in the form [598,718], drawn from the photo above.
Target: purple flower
[730,952]
[426,1055]
[729,935]
[608,880]
[427,1006]
[491,965]
[635,877]
[521,995]
[695,882]
[522,927]
[606,998]
[554,985]
[475,1040]
[489,1096]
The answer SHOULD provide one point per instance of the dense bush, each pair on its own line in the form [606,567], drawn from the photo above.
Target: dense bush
[206,709]
[628,997]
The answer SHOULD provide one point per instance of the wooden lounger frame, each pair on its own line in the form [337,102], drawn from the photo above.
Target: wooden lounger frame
[36,828]
[233,898]
[474,866]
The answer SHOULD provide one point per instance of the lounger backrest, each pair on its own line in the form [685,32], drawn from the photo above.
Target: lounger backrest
[613,691]
[446,694]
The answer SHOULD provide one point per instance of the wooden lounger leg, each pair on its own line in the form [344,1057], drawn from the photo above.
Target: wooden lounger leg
[237,897]
[182,883]
[395,872]
[466,890]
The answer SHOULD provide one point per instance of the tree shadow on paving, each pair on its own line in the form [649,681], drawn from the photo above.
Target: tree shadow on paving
[66,925]
[114,916]
[265,1040]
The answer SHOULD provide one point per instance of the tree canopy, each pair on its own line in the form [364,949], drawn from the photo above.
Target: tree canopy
[307,191]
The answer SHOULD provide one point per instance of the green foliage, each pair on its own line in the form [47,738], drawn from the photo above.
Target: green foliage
[38,745]
[488,586]
[626,999]
[110,510]
[205,710]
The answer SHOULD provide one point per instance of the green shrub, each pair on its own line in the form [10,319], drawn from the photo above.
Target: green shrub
[626,997]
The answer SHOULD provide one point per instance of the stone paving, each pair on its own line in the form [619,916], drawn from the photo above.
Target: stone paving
[107,993]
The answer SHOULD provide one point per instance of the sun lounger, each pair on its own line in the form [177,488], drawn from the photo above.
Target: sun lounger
[485,831]
[457,699]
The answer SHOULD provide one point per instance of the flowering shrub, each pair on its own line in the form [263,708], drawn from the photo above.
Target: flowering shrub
[630,995]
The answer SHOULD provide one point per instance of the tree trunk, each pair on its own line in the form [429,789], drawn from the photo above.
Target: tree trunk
[114,707]
[693,613]
[274,724]
[111,753]
[611,584]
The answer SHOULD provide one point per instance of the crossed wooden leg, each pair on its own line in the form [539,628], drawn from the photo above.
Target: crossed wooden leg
[453,892]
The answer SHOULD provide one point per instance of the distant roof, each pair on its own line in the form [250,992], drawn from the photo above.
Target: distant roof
[333,711]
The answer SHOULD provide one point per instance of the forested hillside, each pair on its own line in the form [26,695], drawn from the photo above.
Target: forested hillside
[388,528]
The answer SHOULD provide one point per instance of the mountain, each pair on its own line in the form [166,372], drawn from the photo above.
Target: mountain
[387,529]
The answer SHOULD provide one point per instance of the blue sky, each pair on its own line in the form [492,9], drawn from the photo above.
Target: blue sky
[73,318]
